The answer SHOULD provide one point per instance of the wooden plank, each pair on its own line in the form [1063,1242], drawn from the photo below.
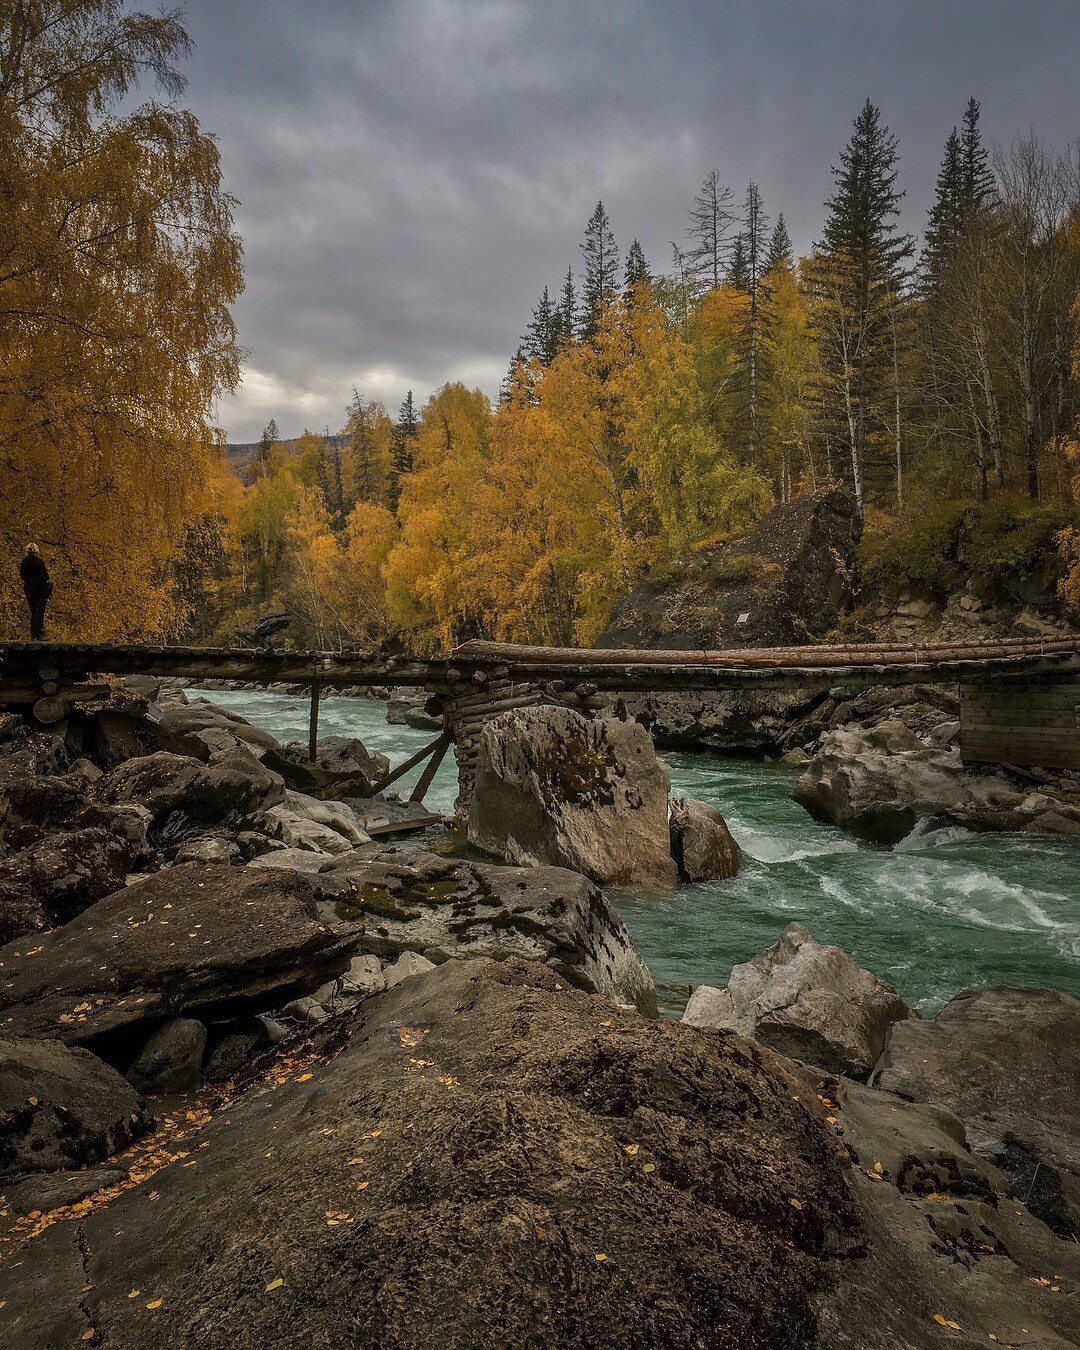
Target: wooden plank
[403,826]
[410,763]
[431,769]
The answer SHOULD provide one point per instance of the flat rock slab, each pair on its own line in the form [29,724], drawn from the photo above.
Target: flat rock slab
[62,1108]
[444,907]
[184,940]
[1007,1062]
[490,1160]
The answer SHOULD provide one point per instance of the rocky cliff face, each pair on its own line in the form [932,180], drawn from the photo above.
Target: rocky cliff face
[788,582]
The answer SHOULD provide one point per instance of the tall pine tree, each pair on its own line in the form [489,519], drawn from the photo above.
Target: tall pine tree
[402,448]
[600,286]
[711,218]
[858,280]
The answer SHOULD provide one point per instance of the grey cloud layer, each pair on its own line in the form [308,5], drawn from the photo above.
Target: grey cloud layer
[412,172]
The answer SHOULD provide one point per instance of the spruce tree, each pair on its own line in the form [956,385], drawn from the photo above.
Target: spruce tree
[600,286]
[541,340]
[566,312]
[711,218]
[637,271]
[401,448]
[859,278]
[779,252]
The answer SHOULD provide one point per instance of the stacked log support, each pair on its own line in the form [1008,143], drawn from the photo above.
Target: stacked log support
[467,710]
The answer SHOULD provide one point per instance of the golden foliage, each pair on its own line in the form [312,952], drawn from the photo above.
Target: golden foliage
[117,266]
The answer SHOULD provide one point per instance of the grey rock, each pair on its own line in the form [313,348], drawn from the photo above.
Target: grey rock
[164,783]
[286,859]
[334,815]
[806,1000]
[879,783]
[300,832]
[307,1010]
[553,787]
[364,976]
[1007,1062]
[58,877]
[210,850]
[443,907]
[171,1060]
[701,843]
[406,967]
[62,1108]
[343,767]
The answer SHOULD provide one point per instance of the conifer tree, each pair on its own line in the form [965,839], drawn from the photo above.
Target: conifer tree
[858,280]
[566,312]
[541,340]
[779,252]
[600,286]
[402,448]
[711,218]
[637,271]
[738,274]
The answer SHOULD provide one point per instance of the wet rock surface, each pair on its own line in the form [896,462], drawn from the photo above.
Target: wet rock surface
[58,877]
[806,1000]
[553,787]
[413,1190]
[62,1107]
[1007,1063]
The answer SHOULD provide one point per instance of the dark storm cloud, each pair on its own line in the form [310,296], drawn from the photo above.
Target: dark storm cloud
[412,173]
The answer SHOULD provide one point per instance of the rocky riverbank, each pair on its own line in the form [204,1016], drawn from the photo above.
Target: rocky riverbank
[265,1080]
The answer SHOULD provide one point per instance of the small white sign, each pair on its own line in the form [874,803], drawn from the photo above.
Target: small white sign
[743,618]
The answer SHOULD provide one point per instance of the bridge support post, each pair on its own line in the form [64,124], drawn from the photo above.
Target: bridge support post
[466,714]
[313,721]
[1029,720]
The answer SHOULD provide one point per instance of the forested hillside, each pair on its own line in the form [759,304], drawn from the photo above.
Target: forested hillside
[649,412]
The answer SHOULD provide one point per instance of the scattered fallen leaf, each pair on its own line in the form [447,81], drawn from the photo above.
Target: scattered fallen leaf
[600,1256]
[605,1024]
[155,1304]
[362,1185]
[354,1162]
[135,1293]
[304,1077]
[632,1149]
[88,1334]
[649,1167]
[878,1168]
[274,1284]
[375,1133]
[410,1036]
[32,1101]
[940,1320]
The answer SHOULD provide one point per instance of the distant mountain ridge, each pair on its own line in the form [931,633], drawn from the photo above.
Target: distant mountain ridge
[242,454]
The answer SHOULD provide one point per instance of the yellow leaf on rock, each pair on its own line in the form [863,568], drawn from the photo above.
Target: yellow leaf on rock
[601,1256]
[360,1185]
[632,1149]
[274,1284]
[303,1078]
[135,1293]
[796,1204]
[940,1320]
[155,1304]
[878,1168]
[88,1334]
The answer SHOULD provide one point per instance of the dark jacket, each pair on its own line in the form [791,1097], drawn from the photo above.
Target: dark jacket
[35,575]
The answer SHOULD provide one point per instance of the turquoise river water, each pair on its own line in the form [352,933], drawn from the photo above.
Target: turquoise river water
[941,912]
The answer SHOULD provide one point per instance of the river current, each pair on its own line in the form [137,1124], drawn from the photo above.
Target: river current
[941,912]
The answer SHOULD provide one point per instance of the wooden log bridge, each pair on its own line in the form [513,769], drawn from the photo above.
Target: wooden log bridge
[1018,696]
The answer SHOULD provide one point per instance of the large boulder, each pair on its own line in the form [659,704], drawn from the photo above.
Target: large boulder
[786,583]
[445,907]
[165,782]
[488,1160]
[200,729]
[58,877]
[62,1108]
[171,1060]
[806,1000]
[701,843]
[1007,1062]
[756,719]
[35,805]
[191,939]
[554,787]
[880,783]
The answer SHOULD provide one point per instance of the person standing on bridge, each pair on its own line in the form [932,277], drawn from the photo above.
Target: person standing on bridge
[37,587]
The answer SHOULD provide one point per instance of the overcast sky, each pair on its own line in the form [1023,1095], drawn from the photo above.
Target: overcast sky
[412,173]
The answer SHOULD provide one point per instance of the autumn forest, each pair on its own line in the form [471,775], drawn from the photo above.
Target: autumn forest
[653,406]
